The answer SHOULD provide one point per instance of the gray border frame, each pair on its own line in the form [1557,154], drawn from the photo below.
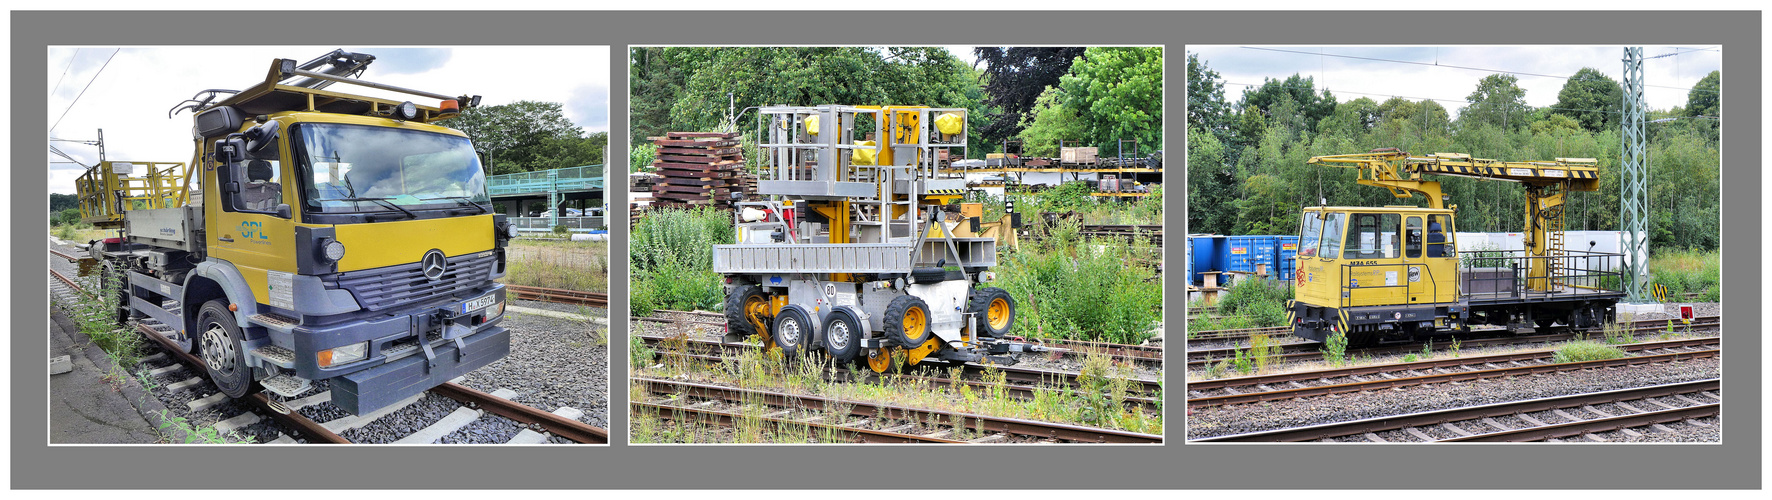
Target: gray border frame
[1734,464]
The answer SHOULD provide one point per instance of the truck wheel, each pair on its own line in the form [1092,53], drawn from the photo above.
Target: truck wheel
[792,329]
[747,312]
[219,346]
[842,337]
[907,321]
[995,309]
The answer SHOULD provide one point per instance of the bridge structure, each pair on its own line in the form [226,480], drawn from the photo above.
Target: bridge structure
[541,200]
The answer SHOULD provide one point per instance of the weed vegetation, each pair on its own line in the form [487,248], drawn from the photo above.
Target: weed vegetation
[570,265]
[671,254]
[1688,271]
[1586,350]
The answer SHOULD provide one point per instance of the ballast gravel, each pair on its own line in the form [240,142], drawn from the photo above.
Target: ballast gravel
[1254,417]
[554,362]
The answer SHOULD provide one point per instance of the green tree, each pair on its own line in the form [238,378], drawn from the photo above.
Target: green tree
[1706,96]
[1014,79]
[59,202]
[1307,108]
[513,137]
[1499,101]
[1591,98]
[1206,107]
[1118,93]
[1051,121]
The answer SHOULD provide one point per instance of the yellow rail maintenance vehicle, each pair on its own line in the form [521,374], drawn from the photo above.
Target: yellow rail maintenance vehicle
[318,235]
[864,249]
[1393,273]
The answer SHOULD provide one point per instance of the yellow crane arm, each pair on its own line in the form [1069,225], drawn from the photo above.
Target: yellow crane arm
[1385,169]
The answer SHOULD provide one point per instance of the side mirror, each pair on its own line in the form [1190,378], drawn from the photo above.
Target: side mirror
[265,134]
[283,210]
[231,152]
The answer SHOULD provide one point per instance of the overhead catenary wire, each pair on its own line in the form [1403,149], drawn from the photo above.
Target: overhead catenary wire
[1466,101]
[1438,65]
[101,70]
[58,80]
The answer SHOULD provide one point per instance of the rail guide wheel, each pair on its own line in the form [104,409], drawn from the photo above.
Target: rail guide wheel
[880,359]
[747,314]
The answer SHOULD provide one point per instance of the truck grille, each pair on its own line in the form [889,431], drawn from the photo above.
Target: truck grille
[382,288]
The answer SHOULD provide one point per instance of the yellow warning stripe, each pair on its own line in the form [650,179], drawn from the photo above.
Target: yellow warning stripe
[945,191]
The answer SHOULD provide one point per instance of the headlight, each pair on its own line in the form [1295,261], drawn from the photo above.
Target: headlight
[406,111]
[510,230]
[495,310]
[332,251]
[342,355]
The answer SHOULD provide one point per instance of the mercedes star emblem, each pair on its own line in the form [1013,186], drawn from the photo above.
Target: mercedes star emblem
[434,265]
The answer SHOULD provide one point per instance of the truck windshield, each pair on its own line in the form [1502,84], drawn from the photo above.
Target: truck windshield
[357,168]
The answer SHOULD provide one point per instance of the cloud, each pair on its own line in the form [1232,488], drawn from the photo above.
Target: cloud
[588,107]
[393,61]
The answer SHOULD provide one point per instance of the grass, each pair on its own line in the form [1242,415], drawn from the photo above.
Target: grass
[1335,349]
[1078,288]
[1101,401]
[1586,350]
[671,258]
[80,233]
[571,265]
[1688,271]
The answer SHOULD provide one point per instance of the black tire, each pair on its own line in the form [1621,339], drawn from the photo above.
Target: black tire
[219,346]
[897,312]
[791,331]
[981,307]
[929,275]
[736,321]
[842,337]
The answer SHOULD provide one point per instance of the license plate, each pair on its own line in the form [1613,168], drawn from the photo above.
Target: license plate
[479,303]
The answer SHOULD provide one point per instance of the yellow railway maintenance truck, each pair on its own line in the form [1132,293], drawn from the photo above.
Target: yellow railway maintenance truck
[864,249]
[1393,273]
[318,235]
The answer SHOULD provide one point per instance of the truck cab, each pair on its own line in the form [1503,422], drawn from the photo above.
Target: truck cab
[328,236]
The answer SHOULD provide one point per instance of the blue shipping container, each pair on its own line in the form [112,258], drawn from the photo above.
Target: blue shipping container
[1203,246]
[1251,254]
[1286,248]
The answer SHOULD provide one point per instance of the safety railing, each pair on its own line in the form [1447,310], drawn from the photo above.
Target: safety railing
[1496,274]
[114,187]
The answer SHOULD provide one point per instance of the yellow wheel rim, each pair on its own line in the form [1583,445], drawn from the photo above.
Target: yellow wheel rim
[914,322]
[879,360]
[998,313]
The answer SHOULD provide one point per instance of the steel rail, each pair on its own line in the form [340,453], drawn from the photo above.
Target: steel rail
[1201,357]
[70,283]
[57,253]
[1243,333]
[576,431]
[1478,413]
[725,419]
[841,374]
[1392,383]
[1013,426]
[559,296]
[1010,373]
[309,429]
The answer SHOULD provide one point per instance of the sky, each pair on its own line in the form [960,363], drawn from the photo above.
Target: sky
[1667,79]
[130,97]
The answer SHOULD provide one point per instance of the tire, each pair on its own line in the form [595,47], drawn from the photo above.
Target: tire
[842,337]
[995,309]
[907,321]
[220,349]
[792,329]
[928,275]
[736,320]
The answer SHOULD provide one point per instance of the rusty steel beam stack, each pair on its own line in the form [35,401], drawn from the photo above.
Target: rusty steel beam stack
[699,169]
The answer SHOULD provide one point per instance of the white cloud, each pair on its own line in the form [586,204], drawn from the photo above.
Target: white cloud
[130,98]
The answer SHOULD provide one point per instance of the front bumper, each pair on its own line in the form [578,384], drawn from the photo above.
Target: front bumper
[383,385]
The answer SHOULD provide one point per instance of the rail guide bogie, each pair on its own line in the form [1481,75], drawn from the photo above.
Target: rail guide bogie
[864,248]
[318,235]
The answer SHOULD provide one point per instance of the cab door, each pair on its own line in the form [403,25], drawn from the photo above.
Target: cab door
[246,230]
[1420,275]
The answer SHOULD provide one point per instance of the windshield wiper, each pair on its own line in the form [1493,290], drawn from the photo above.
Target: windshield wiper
[383,202]
[462,200]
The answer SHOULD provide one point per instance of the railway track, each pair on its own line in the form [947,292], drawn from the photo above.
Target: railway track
[185,372]
[1229,391]
[855,421]
[1143,355]
[1218,336]
[1587,416]
[559,296]
[1024,384]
